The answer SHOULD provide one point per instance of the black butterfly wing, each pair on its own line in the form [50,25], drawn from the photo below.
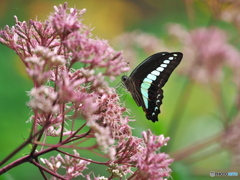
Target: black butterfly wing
[147,65]
[149,77]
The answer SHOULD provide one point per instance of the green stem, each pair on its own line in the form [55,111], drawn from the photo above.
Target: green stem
[179,110]
[190,150]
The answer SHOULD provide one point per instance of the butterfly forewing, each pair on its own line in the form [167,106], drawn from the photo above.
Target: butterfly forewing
[147,66]
[147,79]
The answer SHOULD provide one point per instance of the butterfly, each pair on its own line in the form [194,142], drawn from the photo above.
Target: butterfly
[147,79]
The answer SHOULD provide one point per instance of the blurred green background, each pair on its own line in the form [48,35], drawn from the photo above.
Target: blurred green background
[200,119]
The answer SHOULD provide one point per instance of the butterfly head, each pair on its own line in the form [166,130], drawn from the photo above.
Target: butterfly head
[127,82]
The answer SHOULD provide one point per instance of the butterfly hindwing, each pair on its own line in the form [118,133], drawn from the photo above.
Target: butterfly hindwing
[147,79]
[154,103]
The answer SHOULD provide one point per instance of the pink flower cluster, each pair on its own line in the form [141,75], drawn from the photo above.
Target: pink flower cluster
[74,166]
[207,51]
[72,102]
[145,155]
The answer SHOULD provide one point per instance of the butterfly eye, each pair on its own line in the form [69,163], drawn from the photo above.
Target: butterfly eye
[124,78]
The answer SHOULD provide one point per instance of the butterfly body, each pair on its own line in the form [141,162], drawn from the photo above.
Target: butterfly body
[147,79]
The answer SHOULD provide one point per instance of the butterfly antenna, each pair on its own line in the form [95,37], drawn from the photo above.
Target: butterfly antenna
[118,87]
[124,97]
[121,91]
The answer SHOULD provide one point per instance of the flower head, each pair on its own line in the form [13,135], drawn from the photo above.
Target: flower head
[206,50]
[145,155]
[152,165]
[65,20]
[74,166]
[43,99]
